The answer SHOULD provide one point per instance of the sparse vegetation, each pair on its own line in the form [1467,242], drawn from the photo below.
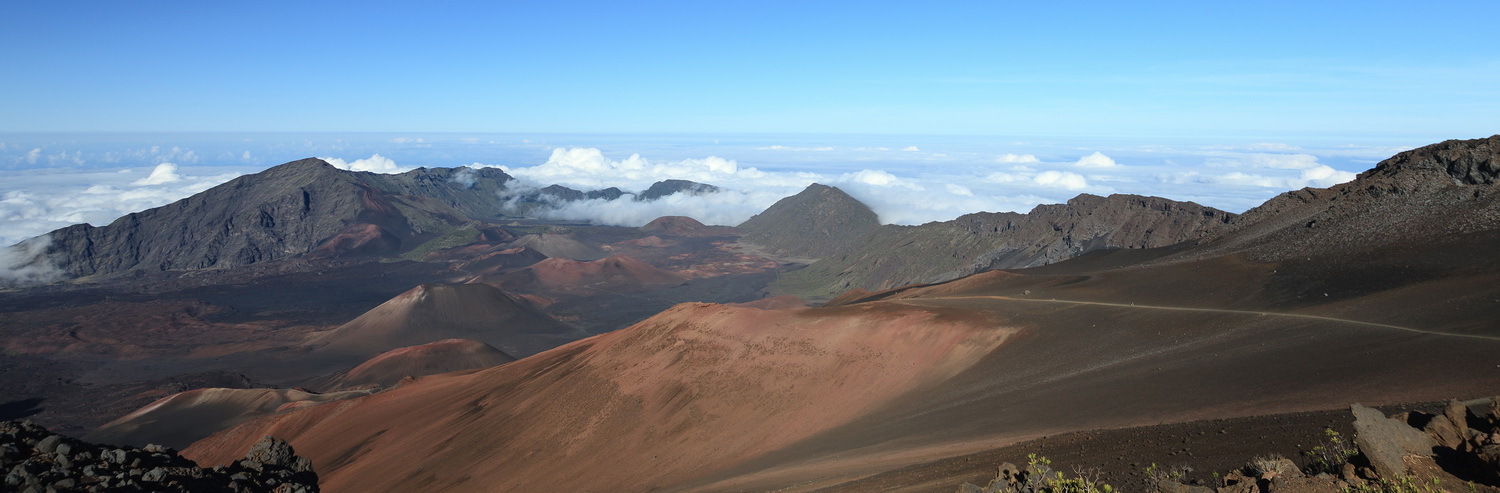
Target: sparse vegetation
[457,237]
[1263,464]
[1403,484]
[1331,456]
[1167,474]
[1039,477]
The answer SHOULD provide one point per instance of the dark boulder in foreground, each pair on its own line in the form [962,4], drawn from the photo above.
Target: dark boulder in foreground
[38,460]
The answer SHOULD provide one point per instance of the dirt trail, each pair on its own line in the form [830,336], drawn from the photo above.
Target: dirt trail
[1209,310]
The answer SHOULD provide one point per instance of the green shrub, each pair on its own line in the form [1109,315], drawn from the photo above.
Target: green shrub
[1332,455]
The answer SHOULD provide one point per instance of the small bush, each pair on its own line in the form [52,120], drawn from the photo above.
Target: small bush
[1159,475]
[1039,477]
[1332,455]
[1263,464]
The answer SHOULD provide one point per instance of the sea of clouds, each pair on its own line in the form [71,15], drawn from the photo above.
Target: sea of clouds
[54,181]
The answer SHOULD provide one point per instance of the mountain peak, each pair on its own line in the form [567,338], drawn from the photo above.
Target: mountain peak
[820,220]
[1465,162]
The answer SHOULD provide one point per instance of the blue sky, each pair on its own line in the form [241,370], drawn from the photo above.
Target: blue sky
[1258,70]
[923,111]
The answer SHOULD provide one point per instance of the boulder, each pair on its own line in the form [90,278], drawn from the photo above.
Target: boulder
[1384,441]
[1452,427]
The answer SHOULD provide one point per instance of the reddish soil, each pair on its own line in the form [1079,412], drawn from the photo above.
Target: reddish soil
[717,385]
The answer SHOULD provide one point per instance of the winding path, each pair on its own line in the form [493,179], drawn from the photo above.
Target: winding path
[1210,310]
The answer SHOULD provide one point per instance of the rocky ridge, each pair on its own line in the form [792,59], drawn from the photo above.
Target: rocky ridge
[286,211]
[37,460]
[891,255]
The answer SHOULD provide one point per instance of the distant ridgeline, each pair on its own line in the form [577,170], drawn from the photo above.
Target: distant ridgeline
[856,251]
[310,208]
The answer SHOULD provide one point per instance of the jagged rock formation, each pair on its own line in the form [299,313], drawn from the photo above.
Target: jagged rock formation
[283,212]
[816,222]
[891,255]
[1407,199]
[553,196]
[38,460]
[668,187]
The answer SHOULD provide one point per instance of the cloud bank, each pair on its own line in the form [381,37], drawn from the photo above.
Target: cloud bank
[54,183]
[26,263]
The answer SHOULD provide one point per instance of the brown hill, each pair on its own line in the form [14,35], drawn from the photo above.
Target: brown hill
[816,222]
[283,212]
[692,390]
[434,312]
[674,225]
[617,274]
[559,246]
[390,367]
[180,419]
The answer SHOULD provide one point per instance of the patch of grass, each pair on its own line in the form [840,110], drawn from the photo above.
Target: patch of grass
[457,237]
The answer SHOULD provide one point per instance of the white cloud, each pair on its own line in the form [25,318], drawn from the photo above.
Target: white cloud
[959,190]
[34,202]
[375,163]
[465,176]
[725,207]
[1263,160]
[1061,179]
[911,149]
[1320,176]
[1095,160]
[590,169]
[31,157]
[1017,158]
[872,177]
[164,173]
[27,263]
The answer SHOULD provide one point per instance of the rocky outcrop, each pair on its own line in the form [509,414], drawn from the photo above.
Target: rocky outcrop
[892,256]
[1459,162]
[36,460]
[1436,193]
[1384,441]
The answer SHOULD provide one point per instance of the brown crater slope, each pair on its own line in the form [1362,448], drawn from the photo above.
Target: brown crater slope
[390,367]
[180,419]
[433,312]
[695,389]
[617,274]
[559,246]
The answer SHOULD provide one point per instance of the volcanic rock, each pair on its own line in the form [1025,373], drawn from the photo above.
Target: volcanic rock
[1384,441]
[270,465]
